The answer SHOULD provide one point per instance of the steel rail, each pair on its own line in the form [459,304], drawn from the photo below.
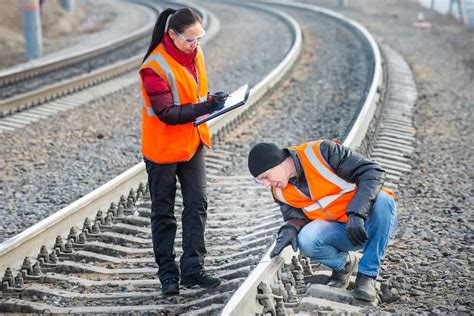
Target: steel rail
[36,97]
[28,242]
[244,300]
[32,69]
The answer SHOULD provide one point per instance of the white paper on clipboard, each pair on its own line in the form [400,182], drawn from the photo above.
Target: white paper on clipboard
[234,100]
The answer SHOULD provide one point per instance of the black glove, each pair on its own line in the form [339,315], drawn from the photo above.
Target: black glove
[356,230]
[287,235]
[216,102]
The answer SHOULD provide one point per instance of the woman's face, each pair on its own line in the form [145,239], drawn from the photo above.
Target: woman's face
[188,41]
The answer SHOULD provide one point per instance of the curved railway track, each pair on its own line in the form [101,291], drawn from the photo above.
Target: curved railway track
[95,255]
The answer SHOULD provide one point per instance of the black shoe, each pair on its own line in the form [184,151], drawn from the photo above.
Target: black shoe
[202,279]
[365,288]
[341,278]
[169,287]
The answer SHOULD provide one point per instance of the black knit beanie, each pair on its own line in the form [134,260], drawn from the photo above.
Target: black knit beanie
[265,156]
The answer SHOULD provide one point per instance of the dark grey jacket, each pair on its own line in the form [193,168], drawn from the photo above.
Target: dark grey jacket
[349,166]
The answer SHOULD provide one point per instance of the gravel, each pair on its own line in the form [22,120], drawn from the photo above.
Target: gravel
[428,267]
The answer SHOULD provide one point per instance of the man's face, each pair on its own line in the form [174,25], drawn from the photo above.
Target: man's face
[277,177]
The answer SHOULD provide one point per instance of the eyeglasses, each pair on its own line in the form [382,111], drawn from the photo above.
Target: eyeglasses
[191,41]
[262,180]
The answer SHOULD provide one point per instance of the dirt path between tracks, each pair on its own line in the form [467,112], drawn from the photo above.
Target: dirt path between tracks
[428,267]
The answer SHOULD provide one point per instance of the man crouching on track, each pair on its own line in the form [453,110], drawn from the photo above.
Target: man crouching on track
[332,202]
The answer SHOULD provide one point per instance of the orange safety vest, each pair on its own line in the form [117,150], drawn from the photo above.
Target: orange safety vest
[330,194]
[165,143]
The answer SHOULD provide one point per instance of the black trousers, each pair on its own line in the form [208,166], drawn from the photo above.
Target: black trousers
[162,184]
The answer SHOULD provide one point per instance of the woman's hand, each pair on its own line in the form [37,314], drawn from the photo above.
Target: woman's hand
[216,102]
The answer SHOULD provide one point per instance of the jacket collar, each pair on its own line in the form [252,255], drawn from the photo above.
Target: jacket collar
[181,57]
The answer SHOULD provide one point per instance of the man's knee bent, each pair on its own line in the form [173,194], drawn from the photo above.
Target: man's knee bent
[309,241]
[384,208]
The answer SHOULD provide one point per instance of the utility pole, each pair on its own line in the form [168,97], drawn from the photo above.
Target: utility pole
[343,3]
[68,5]
[32,29]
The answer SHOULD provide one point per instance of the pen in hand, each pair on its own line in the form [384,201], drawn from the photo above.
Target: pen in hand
[216,101]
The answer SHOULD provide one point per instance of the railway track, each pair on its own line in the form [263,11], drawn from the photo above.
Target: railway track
[83,260]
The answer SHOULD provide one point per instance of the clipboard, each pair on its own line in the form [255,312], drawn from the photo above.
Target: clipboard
[234,100]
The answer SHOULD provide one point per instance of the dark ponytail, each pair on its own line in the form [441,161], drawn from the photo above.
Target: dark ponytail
[179,21]
[159,30]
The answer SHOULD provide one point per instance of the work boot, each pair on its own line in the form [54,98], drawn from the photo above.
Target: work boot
[365,288]
[201,278]
[341,278]
[169,287]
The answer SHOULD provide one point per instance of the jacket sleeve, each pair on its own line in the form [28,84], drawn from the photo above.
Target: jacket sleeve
[292,216]
[161,99]
[354,168]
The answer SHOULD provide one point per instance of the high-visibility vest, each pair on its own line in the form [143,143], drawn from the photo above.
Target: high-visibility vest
[162,142]
[329,194]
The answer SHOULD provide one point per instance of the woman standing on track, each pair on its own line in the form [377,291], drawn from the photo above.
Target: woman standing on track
[174,86]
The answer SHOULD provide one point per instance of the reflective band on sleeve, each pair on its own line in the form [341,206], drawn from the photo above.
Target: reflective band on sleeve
[157,57]
[322,169]
[280,195]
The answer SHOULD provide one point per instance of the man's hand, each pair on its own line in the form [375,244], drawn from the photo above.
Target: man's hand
[356,230]
[287,235]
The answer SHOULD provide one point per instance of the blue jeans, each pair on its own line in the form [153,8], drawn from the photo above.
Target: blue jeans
[327,241]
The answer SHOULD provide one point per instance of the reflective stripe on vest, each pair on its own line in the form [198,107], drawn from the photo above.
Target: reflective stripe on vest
[322,169]
[279,193]
[149,111]
[280,196]
[328,175]
[324,202]
[160,60]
